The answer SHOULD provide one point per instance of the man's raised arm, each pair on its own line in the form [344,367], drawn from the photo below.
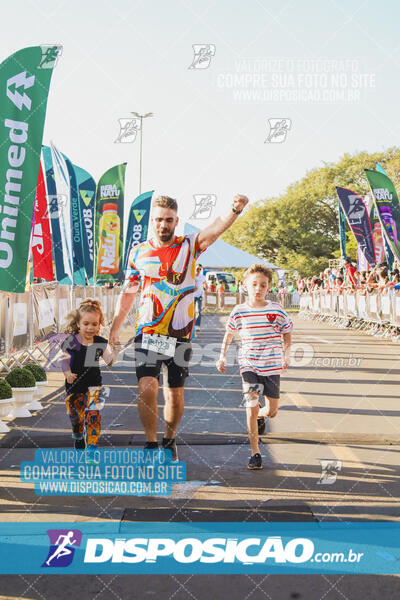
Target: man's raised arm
[211,233]
[124,305]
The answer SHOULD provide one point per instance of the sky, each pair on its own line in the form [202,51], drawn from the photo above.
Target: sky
[287,86]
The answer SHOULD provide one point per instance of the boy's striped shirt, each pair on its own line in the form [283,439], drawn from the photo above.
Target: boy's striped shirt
[260,331]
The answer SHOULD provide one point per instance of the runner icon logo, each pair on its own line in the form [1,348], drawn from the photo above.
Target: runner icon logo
[203,205]
[128,129]
[252,394]
[50,55]
[56,204]
[203,54]
[330,469]
[278,129]
[62,547]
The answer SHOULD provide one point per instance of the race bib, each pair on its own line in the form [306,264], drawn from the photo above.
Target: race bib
[162,344]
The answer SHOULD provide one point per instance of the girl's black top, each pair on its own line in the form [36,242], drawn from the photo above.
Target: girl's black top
[85,363]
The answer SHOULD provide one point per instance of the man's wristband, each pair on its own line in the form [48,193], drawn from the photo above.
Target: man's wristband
[235,211]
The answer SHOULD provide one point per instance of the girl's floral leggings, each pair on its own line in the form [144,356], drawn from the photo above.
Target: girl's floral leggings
[84,416]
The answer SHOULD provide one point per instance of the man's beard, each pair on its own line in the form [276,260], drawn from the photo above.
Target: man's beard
[166,236]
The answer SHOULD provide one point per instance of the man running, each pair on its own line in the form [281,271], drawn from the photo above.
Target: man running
[165,318]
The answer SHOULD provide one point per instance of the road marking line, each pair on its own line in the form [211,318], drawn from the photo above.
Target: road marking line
[191,374]
[319,339]
[343,453]
[187,406]
[346,454]
[202,389]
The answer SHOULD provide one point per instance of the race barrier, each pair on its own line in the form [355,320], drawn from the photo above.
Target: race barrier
[221,300]
[375,312]
[30,319]
[227,300]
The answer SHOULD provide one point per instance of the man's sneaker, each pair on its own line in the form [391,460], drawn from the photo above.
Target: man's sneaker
[80,444]
[255,462]
[261,425]
[151,446]
[170,444]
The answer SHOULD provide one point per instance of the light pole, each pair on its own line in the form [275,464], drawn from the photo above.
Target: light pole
[141,117]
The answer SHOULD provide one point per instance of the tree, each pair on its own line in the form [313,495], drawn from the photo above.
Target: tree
[299,229]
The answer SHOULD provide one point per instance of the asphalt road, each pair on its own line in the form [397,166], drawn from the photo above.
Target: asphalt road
[339,406]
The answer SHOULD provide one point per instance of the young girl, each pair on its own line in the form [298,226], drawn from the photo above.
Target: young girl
[82,373]
[261,326]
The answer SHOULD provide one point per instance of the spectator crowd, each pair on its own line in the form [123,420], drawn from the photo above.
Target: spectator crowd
[380,278]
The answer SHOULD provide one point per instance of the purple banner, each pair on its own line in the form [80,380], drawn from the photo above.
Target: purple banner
[358,219]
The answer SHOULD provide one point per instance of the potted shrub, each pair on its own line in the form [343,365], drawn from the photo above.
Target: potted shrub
[23,385]
[6,403]
[41,382]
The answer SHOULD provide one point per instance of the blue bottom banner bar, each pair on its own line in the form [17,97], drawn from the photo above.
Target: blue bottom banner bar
[207,548]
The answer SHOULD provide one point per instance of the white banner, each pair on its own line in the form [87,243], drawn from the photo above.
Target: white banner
[46,313]
[20,319]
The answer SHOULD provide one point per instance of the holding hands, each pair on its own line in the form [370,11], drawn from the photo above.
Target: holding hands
[70,377]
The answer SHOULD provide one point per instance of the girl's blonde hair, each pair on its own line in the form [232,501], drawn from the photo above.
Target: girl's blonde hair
[90,305]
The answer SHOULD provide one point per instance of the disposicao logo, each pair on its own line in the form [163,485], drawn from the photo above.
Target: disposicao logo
[62,547]
[190,550]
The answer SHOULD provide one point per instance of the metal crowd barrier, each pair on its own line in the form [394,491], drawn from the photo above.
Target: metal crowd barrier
[228,300]
[376,313]
[28,320]
[396,310]
[221,300]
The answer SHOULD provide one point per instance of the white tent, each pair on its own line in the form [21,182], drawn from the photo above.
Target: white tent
[222,255]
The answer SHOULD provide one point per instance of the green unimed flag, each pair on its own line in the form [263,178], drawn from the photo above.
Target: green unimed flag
[24,86]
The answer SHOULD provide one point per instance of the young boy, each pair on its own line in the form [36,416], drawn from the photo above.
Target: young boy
[261,326]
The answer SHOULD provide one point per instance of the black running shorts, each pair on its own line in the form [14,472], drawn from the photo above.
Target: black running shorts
[271,383]
[175,368]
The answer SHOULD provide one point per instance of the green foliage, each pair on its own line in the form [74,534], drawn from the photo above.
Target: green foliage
[299,229]
[21,378]
[37,371]
[351,247]
[5,390]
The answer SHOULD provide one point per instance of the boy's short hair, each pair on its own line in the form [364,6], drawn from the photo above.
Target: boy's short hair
[258,268]
[166,202]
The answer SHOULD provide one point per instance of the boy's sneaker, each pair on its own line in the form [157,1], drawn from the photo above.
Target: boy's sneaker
[255,462]
[261,425]
[170,444]
[80,444]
